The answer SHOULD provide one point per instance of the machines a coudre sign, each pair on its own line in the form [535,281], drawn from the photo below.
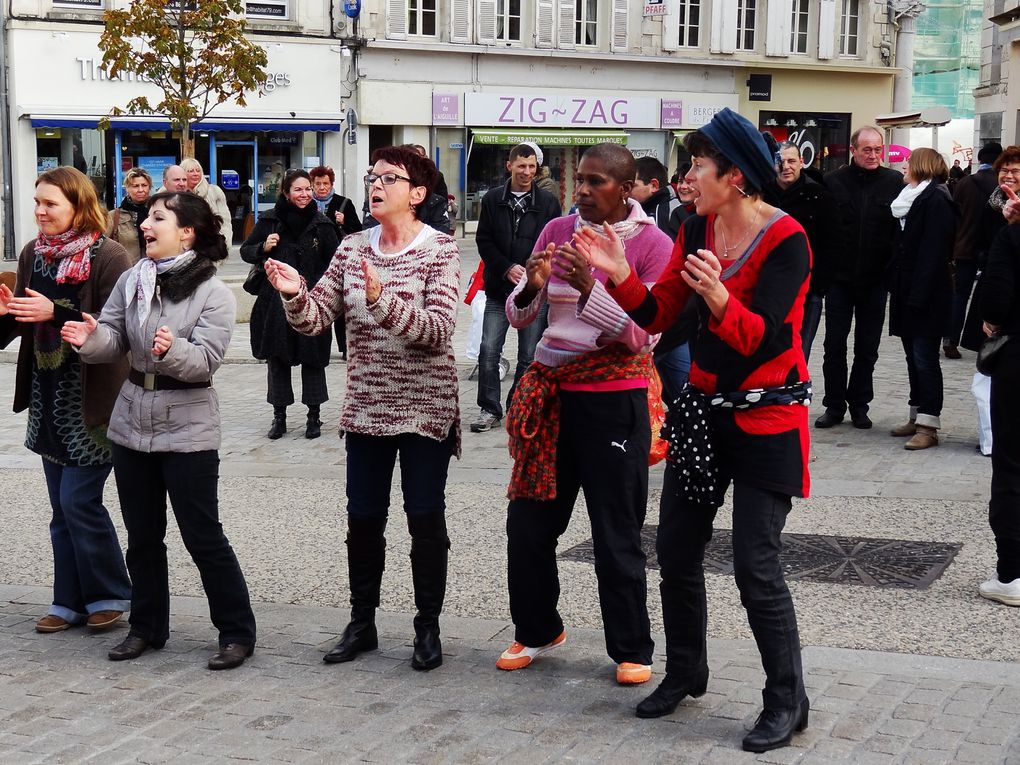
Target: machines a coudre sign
[560,111]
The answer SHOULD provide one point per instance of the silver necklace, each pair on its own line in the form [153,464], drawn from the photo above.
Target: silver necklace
[725,245]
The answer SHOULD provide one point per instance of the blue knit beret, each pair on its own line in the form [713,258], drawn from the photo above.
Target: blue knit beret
[741,143]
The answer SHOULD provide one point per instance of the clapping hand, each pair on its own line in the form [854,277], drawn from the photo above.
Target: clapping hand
[271,241]
[77,332]
[162,341]
[34,307]
[606,255]
[1010,210]
[572,267]
[284,278]
[373,287]
[6,296]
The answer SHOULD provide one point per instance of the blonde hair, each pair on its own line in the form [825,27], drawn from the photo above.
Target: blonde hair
[89,214]
[136,172]
[190,163]
[925,164]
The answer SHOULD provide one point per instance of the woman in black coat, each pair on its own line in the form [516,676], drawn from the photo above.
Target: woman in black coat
[296,233]
[921,289]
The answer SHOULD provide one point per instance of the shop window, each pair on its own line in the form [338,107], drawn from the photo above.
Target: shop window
[267,9]
[586,20]
[508,20]
[799,27]
[849,27]
[94,5]
[747,12]
[422,18]
[822,137]
[690,20]
[82,148]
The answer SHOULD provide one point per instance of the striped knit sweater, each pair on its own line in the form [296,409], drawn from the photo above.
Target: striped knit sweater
[401,373]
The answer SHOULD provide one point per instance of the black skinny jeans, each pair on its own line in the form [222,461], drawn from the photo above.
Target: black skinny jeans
[1004,506]
[603,450]
[144,479]
[684,531]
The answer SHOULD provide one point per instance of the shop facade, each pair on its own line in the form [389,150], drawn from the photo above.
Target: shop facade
[56,109]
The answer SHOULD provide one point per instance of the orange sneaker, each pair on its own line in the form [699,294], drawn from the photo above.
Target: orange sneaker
[628,673]
[518,656]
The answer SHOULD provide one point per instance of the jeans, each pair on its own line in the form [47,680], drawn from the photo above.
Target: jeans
[602,449]
[674,367]
[809,326]
[494,328]
[964,276]
[424,464]
[925,377]
[88,566]
[1004,506]
[684,531]
[144,479]
[865,308]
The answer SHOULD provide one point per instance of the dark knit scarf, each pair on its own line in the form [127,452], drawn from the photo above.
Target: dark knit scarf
[533,421]
[138,212]
[293,218]
[179,284]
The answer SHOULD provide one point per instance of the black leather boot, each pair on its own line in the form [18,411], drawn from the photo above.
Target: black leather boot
[430,548]
[366,559]
[671,691]
[775,727]
[314,427]
[279,426]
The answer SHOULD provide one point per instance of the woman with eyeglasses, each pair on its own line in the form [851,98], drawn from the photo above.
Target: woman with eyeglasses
[396,285]
[296,233]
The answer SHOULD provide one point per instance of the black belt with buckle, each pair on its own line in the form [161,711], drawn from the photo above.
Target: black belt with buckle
[153,381]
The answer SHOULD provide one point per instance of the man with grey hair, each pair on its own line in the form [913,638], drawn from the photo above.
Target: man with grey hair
[863,191]
[174,178]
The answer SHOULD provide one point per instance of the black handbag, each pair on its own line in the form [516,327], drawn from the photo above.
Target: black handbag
[255,280]
[991,351]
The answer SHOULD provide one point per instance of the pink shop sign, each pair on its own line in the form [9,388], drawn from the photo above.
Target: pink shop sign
[671,115]
[445,109]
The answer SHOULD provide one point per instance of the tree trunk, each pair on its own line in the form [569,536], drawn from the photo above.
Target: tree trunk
[187,143]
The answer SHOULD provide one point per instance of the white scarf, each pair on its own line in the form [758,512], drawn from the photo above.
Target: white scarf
[625,229]
[901,205]
[141,282]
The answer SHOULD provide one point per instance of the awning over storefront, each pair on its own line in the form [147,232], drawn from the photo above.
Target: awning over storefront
[155,123]
[512,137]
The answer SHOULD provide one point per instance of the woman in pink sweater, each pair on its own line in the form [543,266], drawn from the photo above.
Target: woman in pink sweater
[584,395]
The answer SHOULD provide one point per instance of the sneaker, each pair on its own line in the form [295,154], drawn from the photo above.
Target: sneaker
[993,589]
[52,623]
[628,673]
[486,421]
[504,368]
[518,656]
[103,620]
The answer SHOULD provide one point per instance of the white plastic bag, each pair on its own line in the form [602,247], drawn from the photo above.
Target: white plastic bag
[474,335]
[981,387]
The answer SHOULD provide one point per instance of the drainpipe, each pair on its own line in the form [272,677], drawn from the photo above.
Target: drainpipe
[5,144]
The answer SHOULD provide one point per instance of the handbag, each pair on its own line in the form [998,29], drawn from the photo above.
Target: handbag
[988,355]
[255,280]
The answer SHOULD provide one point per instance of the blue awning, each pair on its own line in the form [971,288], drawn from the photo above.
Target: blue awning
[276,126]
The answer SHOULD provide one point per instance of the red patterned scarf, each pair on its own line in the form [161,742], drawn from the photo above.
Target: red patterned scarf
[533,422]
[72,250]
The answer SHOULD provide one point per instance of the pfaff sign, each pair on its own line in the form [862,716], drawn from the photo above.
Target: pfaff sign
[496,110]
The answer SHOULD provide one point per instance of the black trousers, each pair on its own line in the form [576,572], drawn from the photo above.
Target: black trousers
[1004,506]
[281,392]
[864,308]
[190,479]
[684,531]
[603,450]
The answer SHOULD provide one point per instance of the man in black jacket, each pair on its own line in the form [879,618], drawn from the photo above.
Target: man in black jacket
[863,191]
[512,217]
[812,206]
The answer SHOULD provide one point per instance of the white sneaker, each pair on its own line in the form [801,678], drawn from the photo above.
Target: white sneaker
[486,421]
[504,367]
[1008,594]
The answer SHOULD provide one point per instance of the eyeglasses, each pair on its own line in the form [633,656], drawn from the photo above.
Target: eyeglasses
[388,179]
[1014,171]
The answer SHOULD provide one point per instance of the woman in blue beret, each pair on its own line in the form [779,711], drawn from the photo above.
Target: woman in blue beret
[742,419]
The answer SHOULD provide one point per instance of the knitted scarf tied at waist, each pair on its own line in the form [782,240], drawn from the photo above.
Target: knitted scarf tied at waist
[533,421]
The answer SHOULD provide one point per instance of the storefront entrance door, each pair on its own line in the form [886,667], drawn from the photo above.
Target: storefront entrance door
[235,163]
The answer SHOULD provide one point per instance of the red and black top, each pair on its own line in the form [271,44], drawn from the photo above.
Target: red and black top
[756,344]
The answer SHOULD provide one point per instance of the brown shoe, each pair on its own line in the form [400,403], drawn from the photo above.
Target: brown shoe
[103,620]
[904,430]
[951,350]
[51,623]
[924,438]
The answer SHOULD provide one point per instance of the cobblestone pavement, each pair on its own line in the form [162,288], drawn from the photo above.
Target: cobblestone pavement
[895,676]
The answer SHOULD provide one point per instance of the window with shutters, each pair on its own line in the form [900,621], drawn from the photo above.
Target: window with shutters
[799,27]
[689,12]
[747,18]
[508,20]
[849,22]
[586,22]
[422,18]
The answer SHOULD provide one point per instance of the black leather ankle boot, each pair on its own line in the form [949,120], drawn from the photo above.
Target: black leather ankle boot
[313,429]
[775,727]
[279,426]
[671,691]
